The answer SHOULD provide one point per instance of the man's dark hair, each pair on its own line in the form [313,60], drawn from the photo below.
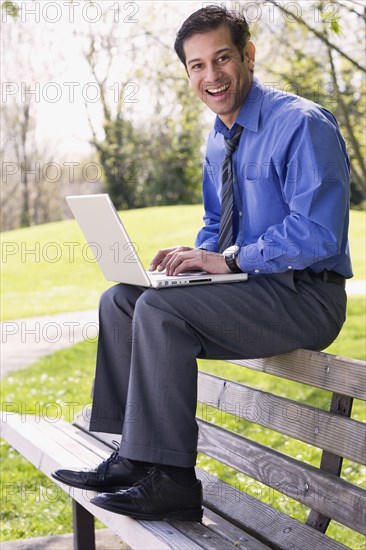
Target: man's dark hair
[208,19]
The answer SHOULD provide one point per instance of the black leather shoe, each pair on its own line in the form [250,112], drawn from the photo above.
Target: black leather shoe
[155,497]
[113,474]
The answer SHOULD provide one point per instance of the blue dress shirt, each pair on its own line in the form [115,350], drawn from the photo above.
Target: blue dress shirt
[291,186]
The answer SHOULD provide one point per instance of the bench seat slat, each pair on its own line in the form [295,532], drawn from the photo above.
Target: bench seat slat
[233,534]
[208,539]
[324,492]
[82,423]
[33,439]
[68,437]
[95,449]
[298,420]
[271,526]
[322,370]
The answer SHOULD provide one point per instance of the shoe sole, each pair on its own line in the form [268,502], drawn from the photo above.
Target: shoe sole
[90,487]
[179,515]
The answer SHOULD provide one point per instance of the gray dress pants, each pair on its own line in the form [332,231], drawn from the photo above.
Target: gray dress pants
[149,341]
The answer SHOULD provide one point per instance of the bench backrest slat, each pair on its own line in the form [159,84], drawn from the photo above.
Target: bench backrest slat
[324,492]
[270,525]
[322,370]
[300,421]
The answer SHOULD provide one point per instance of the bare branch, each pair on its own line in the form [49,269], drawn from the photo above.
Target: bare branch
[319,35]
[357,13]
[347,121]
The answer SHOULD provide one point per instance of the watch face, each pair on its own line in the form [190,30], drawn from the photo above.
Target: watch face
[231,251]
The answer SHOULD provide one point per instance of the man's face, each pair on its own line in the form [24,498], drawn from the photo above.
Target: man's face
[216,72]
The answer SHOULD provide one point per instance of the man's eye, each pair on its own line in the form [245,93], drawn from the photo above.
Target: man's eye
[224,58]
[196,67]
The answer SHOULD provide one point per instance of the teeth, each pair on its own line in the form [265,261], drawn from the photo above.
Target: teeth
[221,89]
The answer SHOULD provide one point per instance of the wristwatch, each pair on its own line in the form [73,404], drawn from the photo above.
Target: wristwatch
[230,254]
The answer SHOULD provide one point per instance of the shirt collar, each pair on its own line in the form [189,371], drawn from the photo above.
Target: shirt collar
[248,116]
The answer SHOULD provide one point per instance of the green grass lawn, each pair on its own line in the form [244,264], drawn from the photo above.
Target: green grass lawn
[41,276]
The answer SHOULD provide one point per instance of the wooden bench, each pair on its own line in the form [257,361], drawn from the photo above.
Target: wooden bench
[233,518]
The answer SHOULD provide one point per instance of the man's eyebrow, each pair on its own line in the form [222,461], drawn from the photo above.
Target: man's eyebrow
[218,52]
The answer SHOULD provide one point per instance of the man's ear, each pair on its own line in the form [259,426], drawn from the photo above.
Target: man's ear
[249,55]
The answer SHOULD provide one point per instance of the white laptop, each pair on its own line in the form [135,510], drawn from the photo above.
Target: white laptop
[115,251]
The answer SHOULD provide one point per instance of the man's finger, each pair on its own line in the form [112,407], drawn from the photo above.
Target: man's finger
[159,257]
[183,261]
[162,256]
[165,261]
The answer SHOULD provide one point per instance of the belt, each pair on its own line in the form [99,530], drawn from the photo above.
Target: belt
[327,276]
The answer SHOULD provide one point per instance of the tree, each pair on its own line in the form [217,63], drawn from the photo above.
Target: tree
[118,147]
[145,161]
[28,194]
[174,164]
[311,61]
[332,19]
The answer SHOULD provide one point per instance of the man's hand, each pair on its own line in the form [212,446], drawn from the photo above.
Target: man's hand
[180,259]
[162,257]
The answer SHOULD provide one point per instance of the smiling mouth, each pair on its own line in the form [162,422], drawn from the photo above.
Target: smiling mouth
[219,90]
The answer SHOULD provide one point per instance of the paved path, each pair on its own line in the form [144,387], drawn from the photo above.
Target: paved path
[24,341]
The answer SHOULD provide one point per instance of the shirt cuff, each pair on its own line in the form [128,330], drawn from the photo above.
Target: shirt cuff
[251,260]
[210,246]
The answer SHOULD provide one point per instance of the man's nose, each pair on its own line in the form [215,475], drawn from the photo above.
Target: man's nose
[212,73]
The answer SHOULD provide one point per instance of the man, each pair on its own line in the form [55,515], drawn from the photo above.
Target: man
[275,191]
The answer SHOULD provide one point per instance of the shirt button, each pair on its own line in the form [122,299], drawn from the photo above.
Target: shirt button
[240,213]
[289,267]
[256,271]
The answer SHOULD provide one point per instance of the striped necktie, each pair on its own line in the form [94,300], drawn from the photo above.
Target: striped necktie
[226,215]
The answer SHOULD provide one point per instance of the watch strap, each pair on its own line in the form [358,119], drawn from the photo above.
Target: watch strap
[231,263]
